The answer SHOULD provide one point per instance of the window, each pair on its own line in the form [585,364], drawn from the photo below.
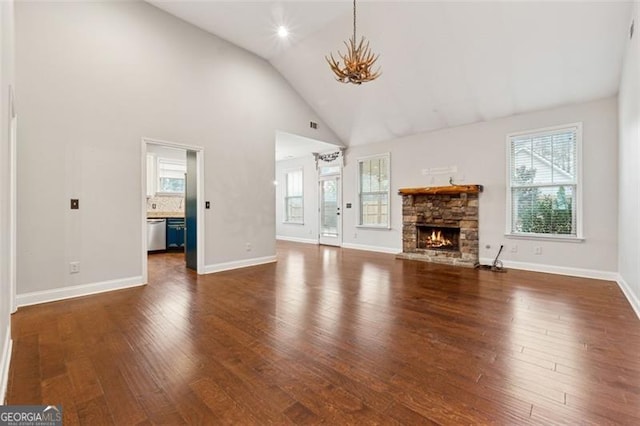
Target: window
[171,176]
[293,199]
[329,170]
[373,186]
[544,182]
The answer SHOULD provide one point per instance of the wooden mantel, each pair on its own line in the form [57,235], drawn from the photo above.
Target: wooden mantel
[442,190]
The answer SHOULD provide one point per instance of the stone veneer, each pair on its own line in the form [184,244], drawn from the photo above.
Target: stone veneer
[454,206]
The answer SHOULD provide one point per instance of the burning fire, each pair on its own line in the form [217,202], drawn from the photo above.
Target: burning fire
[437,240]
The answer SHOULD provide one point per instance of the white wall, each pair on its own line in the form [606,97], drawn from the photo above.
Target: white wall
[307,232]
[96,77]
[479,152]
[6,79]
[629,175]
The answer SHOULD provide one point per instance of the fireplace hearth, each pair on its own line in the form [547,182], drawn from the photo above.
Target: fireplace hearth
[440,224]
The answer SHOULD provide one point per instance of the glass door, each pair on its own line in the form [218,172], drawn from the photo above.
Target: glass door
[330,214]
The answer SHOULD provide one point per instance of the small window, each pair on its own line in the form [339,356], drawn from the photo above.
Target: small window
[373,187]
[544,184]
[329,170]
[293,200]
[171,176]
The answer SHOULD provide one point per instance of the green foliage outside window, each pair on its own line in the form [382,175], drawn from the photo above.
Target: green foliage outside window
[541,212]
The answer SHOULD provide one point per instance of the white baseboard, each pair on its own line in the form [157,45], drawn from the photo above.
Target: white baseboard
[631,296]
[236,264]
[559,270]
[5,361]
[76,291]
[377,249]
[297,240]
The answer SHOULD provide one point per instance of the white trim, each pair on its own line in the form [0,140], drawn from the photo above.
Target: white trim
[377,249]
[297,239]
[237,264]
[326,240]
[13,213]
[200,207]
[542,131]
[546,237]
[63,293]
[578,183]
[5,362]
[629,294]
[360,160]
[286,196]
[552,269]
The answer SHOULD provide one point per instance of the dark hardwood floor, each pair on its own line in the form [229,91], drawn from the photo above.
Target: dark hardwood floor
[336,336]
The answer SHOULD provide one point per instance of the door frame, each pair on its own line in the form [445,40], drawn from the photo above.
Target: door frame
[13,201]
[200,202]
[338,177]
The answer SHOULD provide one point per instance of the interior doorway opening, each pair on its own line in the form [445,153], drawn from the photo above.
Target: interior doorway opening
[172,202]
[308,190]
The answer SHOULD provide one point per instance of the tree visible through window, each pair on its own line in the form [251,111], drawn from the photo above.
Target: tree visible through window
[544,182]
[293,199]
[171,175]
[373,184]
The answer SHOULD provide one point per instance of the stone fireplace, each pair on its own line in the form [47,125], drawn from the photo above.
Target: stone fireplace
[440,224]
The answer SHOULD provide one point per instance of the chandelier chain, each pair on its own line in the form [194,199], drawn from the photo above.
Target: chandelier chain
[354,20]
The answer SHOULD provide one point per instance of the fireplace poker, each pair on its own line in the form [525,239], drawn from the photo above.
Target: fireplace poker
[496,266]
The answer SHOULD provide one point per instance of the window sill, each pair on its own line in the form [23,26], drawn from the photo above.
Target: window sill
[542,237]
[284,222]
[169,194]
[382,227]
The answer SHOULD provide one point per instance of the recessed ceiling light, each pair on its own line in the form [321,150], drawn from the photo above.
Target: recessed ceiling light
[283,31]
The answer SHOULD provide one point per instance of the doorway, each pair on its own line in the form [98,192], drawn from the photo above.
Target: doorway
[172,199]
[330,216]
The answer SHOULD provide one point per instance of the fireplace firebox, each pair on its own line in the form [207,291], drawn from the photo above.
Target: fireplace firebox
[437,237]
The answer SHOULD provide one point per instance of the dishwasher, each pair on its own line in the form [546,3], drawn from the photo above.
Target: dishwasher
[156,234]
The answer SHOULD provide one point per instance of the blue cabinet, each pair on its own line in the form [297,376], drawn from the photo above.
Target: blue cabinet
[175,233]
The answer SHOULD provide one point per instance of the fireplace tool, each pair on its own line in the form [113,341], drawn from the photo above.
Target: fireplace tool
[496,266]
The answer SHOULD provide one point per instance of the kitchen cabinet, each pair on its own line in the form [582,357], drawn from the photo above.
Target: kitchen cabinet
[175,233]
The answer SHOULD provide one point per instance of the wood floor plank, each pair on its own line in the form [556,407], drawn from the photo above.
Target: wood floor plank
[94,412]
[336,336]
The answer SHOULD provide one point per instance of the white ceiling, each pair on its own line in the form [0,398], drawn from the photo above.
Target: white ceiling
[444,63]
[290,146]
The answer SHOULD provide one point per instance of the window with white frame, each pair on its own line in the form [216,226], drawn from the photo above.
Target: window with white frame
[373,191]
[293,198]
[544,182]
[171,176]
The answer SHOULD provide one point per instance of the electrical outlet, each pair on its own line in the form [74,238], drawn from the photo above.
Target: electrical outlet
[537,250]
[248,246]
[514,248]
[74,267]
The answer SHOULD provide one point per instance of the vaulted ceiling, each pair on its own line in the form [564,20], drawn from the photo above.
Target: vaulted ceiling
[444,63]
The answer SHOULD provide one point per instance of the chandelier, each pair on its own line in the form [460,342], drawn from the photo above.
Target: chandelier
[357,62]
